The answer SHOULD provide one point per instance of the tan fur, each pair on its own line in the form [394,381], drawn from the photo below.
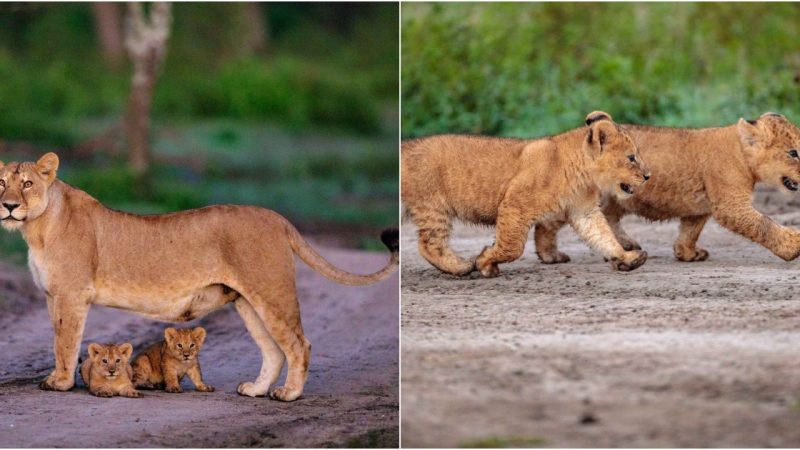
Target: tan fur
[703,173]
[107,373]
[513,184]
[173,267]
[164,364]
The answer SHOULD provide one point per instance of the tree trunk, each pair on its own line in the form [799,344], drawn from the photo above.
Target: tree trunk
[109,32]
[255,33]
[146,42]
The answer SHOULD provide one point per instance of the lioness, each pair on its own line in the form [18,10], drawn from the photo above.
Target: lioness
[702,173]
[172,267]
[513,184]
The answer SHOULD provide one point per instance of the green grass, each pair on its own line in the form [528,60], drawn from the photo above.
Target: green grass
[503,442]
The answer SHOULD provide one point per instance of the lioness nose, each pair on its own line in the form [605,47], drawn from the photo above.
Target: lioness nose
[10,206]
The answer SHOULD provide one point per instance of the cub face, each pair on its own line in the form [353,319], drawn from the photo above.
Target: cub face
[184,344]
[110,360]
[619,167]
[23,190]
[771,146]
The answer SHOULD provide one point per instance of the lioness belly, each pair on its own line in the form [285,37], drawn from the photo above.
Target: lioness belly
[176,306]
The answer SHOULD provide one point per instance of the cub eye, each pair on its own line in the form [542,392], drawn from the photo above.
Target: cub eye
[793,153]
[180,345]
[105,361]
[191,346]
[2,183]
[632,158]
[27,184]
[117,360]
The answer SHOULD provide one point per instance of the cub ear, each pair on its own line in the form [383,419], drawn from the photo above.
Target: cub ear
[48,165]
[126,349]
[594,116]
[598,135]
[752,132]
[773,114]
[199,334]
[170,334]
[95,350]
[1,164]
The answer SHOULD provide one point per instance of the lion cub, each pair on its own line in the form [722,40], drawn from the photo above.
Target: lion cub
[163,365]
[107,372]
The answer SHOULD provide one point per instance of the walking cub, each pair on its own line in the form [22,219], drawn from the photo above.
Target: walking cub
[163,365]
[107,373]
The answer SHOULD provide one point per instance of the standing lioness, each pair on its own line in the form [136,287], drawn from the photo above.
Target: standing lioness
[514,184]
[173,267]
[703,173]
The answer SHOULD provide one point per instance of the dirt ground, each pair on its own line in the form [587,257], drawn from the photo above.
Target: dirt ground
[351,398]
[703,354]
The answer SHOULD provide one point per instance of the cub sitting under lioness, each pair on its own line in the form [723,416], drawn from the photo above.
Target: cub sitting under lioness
[164,364]
[514,184]
[703,173]
[107,373]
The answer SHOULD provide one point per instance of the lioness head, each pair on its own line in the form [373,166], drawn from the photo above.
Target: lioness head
[620,169]
[23,189]
[110,360]
[771,146]
[184,344]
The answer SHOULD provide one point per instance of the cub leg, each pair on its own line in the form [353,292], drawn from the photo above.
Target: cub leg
[545,236]
[173,381]
[512,229]
[272,358]
[69,318]
[685,246]
[434,228]
[614,212]
[141,372]
[741,218]
[592,227]
[197,379]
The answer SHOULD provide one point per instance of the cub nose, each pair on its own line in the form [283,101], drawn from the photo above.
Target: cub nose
[186,355]
[111,371]
[10,206]
[646,176]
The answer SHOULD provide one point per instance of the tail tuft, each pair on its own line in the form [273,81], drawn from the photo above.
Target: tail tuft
[391,238]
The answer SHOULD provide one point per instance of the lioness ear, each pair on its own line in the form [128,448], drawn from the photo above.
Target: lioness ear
[199,334]
[126,349]
[95,350]
[751,132]
[594,116]
[170,334]
[48,165]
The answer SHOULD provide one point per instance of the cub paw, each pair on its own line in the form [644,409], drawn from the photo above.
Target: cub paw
[144,385]
[132,394]
[205,388]
[249,390]
[630,261]
[285,394]
[690,255]
[174,389]
[104,394]
[554,258]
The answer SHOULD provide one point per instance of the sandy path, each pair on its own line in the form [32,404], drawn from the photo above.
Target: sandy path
[673,354]
[351,397]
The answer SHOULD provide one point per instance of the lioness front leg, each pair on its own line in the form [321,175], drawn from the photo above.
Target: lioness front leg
[69,318]
[545,236]
[592,227]
[512,229]
[685,246]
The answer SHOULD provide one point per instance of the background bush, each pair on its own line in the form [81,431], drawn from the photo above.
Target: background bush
[527,69]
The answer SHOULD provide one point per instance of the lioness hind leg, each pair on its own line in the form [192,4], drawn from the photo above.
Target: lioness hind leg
[685,246]
[271,354]
[434,235]
[545,236]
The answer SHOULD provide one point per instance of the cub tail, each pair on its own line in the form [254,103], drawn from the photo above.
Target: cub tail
[389,237]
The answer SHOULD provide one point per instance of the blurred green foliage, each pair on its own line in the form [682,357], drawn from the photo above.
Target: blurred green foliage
[527,69]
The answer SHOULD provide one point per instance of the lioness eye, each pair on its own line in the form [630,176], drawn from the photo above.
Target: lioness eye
[105,360]
[632,158]
[793,153]
[27,184]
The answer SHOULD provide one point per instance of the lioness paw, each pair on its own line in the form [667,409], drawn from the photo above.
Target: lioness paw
[285,394]
[250,390]
[554,258]
[53,384]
